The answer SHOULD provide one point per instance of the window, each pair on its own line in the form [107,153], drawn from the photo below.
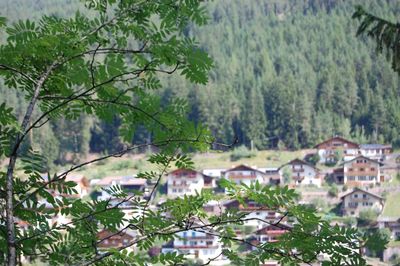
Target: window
[209,243]
[372,169]
[193,234]
[364,196]
[353,204]
[355,196]
[362,169]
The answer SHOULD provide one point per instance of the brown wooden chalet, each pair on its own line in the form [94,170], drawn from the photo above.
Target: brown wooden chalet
[337,143]
[270,233]
[108,239]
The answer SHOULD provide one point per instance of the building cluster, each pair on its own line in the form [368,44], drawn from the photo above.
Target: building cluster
[357,166]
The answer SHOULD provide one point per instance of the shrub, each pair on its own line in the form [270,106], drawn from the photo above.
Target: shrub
[367,217]
[350,221]
[313,159]
[333,191]
[242,152]
[345,188]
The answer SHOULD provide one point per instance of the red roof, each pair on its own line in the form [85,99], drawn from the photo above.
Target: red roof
[243,167]
[336,138]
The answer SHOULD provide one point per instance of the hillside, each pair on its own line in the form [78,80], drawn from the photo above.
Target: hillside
[287,74]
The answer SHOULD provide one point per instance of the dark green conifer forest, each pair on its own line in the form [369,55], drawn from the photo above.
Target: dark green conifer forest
[288,72]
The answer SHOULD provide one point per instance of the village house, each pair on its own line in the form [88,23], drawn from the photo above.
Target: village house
[270,233]
[82,185]
[108,239]
[245,174]
[376,151]
[186,182]
[393,224]
[301,173]
[359,200]
[129,184]
[214,172]
[257,215]
[330,149]
[272,175]
[362,171]
[197,246]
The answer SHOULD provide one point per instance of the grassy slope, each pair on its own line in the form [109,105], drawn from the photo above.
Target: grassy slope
[133,164]
[392,205]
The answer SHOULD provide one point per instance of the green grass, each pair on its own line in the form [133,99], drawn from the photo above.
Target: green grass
[391,208]
[394,243]
[269,158]
[133,164]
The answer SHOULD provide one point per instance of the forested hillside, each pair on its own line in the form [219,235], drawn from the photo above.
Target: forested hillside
[287,74]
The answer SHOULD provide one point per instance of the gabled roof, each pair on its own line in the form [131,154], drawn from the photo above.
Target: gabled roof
[242,167]
[183,170]
[364,191]
[363,157]
[336,138]
[299,161]
[207,178]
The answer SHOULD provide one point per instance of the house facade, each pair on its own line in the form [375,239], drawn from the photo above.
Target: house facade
[186,182]
[244,174]
[362,171]
[270,233]
[330,149]
[129,184]
[375,151]
[301,173]
[197,246]
[359,200]
[393,224]
[108,239]
[272,176]
[256,215]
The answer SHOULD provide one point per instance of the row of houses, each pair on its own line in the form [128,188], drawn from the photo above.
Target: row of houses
[358,172]
[331,148]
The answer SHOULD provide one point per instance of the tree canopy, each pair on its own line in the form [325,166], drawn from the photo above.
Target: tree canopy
[291,73]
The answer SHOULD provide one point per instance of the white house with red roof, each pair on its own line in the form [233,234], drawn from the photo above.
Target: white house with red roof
[256,214]
[329,149]
[186,182]
[245,174]
[362,171]
[270,233]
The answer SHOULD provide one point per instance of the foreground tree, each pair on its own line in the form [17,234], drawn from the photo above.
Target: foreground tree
[106,64]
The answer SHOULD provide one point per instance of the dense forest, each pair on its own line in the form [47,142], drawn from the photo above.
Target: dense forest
[287,74]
